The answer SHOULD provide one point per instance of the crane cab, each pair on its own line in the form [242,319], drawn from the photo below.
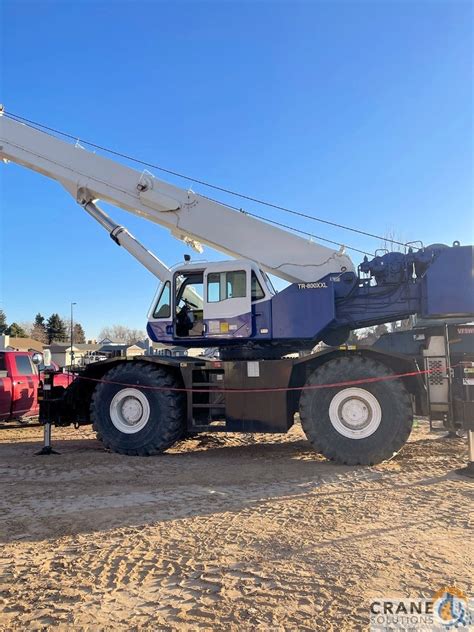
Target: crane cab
[210,303]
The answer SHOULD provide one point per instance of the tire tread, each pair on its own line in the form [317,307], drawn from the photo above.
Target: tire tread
[347,367]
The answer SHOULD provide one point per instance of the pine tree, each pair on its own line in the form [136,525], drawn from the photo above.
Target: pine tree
[79,335]
[16,331]
[3,322]
[56,329]
[38,331]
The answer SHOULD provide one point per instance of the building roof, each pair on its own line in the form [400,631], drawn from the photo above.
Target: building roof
[87,347]
[24,344]
[118,347]
[58,347]
[143,344]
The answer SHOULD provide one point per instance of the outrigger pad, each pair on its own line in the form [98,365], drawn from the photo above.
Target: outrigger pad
[46,450]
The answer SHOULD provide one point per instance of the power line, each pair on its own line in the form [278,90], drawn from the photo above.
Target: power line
[297,230]
[40,127]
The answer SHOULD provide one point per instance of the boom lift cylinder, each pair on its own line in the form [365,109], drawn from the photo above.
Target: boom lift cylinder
[123,238]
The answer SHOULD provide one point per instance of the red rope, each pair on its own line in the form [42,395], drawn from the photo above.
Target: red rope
[369,380]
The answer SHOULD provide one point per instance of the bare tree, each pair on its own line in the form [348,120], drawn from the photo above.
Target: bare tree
[120,333]
[27,327]
[392,241]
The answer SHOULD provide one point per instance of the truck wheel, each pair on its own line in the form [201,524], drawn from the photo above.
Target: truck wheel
[137,421]
[362,424]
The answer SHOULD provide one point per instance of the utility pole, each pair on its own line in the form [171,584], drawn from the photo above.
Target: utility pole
[72,332]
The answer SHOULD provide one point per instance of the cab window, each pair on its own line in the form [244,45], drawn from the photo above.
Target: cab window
[163,307]
[213,287]
[236,284]
[268,281]
[224,285]
[189,304]
[189,289]
[23,365]
[257,291]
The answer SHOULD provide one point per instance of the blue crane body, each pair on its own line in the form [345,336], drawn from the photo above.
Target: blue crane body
[432,282]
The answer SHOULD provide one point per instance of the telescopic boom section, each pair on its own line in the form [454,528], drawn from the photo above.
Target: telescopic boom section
[188,216]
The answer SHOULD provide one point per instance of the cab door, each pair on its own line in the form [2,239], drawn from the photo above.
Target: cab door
[227,305]
[189,318]
[24,386]
[5,390]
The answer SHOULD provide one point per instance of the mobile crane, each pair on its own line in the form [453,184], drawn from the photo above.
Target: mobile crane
[353,407]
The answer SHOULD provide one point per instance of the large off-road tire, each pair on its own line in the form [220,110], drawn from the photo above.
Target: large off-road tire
[362,424]
[133,420]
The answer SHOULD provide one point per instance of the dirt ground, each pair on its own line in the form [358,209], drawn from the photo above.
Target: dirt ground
[224,533]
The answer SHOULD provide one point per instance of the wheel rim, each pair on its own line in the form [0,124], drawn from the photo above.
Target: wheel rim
[129,410]
[355,413]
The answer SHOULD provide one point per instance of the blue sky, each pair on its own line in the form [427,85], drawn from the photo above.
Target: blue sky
[358,112]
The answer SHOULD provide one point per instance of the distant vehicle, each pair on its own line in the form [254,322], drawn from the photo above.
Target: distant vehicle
[92,357]
[19,380]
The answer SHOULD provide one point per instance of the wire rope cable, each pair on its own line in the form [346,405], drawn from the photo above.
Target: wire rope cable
[42,127]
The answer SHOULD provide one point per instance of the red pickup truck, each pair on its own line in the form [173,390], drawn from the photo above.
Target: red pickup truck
[19,378]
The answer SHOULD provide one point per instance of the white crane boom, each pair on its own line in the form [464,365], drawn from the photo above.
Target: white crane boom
[188,216]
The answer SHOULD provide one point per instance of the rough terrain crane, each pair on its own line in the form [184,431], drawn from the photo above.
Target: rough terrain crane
[352,405]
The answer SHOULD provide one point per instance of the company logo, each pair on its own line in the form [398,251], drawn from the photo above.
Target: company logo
[451,608]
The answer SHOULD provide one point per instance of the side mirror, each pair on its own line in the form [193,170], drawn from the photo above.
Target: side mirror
[37,358]
[42,358]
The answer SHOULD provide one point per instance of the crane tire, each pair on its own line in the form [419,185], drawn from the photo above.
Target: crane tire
[138,421]
[361,424]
